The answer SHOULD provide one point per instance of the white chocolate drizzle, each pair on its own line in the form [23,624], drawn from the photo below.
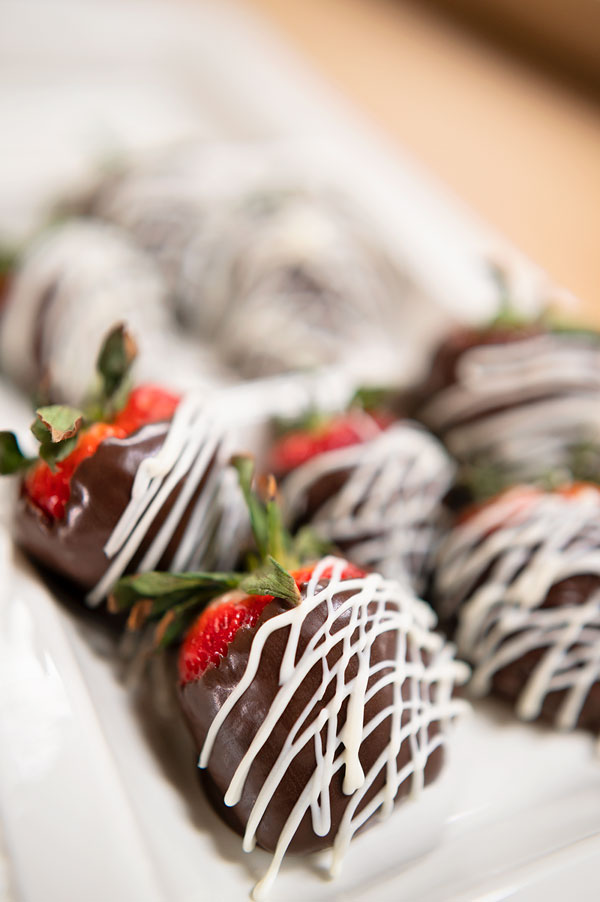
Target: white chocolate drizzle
[76,281]
[304,272]
[375,606]
[521,402]
[197,447]
[388,513]
[194,442]
[281,274]
[520,546]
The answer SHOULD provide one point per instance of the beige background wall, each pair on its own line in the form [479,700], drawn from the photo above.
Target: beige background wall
[521,148]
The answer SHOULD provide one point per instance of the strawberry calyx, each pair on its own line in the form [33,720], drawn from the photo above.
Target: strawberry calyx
[67,436]
[49,487]
[276,570]
[479,481]
[208,639]
[8,262]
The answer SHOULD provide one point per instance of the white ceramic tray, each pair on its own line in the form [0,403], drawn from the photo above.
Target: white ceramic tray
[98,794]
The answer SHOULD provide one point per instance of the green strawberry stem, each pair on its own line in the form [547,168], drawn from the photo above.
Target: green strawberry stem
[312,420]
[57,426]
[9,256]
[558,323]
[169,599]
[113,366]
[271,537]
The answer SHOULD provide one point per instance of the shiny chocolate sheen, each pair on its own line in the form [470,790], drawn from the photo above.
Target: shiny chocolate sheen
[508,682]
[201,699]
[322,490]
[73,547]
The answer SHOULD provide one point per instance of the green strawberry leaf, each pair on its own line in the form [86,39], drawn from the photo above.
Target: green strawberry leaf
[56,428]
[52,452]
[308,546]
[507,316]
[584,462]
[244,465]
[176,621]
[371,398]
[8,259]
[559,325]
[278,538]
[114,362]
[311,421]
[166,589]
[272,579]
[57,422]
[12,459]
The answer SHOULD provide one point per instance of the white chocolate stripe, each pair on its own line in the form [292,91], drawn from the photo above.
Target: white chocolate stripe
[375,606]
[202,430]
[192,441]
[529,550]
[504,374]
[518,430]
[544,394]
[390,505]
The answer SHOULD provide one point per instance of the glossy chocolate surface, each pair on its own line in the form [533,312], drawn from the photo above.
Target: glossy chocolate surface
[444,364]
[509,681]
[201,700]
[73,547]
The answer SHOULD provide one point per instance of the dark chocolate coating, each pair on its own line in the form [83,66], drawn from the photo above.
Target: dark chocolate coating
[442,370]
[100,491]
[486,470]
[326,486]
[509,681]
[320,492]
[201,699]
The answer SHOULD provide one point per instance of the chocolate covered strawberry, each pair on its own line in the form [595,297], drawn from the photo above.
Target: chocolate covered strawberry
[49,487]
[368,484]
[518,580]
[102,495]
[67,289]
[317,695]
[326,432]
[207,641]
[518,395]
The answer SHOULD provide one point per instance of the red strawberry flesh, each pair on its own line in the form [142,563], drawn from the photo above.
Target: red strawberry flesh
[519,498]
[206,642]
[340,431]
[50,489]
